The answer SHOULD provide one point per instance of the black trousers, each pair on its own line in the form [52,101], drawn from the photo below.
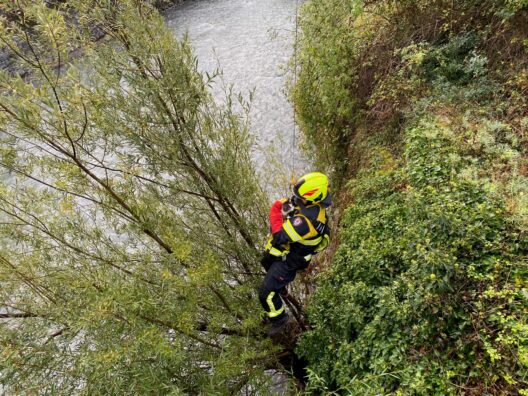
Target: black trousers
[279,275]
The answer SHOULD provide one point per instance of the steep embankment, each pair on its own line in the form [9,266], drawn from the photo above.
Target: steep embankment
[419,108]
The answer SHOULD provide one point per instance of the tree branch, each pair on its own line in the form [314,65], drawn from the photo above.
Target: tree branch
[13,315]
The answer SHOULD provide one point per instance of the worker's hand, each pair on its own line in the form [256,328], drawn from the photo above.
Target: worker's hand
[294,200]
[287,209]
[323,244]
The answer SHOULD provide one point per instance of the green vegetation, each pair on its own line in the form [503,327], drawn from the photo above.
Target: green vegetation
[422,110]
[128,218]
[129,228]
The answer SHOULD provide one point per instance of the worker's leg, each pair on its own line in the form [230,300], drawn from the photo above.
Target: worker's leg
[277,277]
[266,261]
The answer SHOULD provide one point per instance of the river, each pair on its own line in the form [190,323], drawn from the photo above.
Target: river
[251,41]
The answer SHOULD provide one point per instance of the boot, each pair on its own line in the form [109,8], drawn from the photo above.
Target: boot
[284,332]
[278,325]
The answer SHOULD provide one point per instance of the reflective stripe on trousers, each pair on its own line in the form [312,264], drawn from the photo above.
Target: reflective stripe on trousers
[273,312]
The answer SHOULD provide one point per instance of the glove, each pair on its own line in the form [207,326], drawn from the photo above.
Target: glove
[287,209]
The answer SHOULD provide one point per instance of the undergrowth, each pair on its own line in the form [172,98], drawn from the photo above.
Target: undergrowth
[419,108]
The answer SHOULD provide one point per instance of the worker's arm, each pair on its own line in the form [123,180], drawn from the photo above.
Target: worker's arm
[299,226]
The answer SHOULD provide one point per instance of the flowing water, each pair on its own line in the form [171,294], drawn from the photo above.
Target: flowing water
[251,41]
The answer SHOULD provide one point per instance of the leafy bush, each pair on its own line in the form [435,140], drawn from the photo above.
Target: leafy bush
[427,293]
[322,95]
[363,63]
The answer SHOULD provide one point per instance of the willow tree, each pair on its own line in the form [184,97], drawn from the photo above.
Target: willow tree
[130,215]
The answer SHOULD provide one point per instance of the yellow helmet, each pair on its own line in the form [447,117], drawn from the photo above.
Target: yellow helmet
[313,187]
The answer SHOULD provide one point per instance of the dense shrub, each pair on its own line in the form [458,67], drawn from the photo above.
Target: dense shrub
[427,294]
[421,105]
[364,62]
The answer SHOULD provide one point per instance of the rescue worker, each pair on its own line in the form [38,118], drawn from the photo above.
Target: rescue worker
[298,231]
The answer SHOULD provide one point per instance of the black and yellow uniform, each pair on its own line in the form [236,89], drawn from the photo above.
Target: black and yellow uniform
[303,234]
